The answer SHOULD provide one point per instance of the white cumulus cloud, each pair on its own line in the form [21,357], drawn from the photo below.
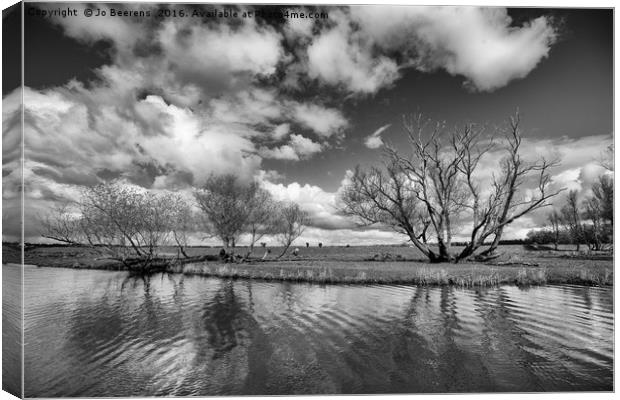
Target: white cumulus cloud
[374,140]
[298,147]
[325,122]
[479,44]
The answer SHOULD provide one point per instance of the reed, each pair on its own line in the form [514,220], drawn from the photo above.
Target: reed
[471,275]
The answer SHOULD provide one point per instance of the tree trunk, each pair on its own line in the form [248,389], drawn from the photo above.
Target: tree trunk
[495,243]
[444,253]
[283,251]
[250,250]
[179,245]
[438,258]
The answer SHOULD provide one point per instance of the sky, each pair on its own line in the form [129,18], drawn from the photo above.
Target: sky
[294,103]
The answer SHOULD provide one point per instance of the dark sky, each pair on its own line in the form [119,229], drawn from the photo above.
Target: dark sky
[51,58]
[11,48]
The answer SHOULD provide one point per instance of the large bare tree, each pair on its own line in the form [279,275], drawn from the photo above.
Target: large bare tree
[436,187]
[386,197]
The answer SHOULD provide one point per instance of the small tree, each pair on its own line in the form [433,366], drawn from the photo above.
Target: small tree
[599,211]
[182,222]
[63,224]
[123,222]
[603,195]
[555,219]
[291,223]
[541,236]
[571,217]
[607,158]
[224,201]
[261,217]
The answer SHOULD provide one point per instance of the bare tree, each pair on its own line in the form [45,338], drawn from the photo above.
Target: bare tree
[607,158]
[291,223]
[571,218]
[436,186]
[386,198]
[224,201]
[435,169]
[599,211]
[124,223]
[182,221]
[261,217]
[603,195]
[555,219]
[515,172]
[131,223]
[63,223]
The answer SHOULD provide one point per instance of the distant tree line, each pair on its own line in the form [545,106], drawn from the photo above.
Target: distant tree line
[589,222]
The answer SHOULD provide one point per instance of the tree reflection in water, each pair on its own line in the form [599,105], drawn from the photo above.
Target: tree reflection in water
[181,336]
[225,319]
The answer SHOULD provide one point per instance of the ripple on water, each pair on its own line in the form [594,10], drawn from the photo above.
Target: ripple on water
[183,335]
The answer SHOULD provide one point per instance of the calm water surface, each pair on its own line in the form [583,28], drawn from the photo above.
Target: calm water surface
[102,333]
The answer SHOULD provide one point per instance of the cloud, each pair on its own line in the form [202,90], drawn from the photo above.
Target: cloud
[325,122]
[298,148]
[320,205]
[284,152]
[478,43]
[353,237]
[365,48]
[63,132]
[361,49]
[198,51]
[123,32]
[180,100]
[11,165]
[188,104]
[568,179]
[374,140]
[281,131]
[338,57]
[299,27]
[251,106]
[304,146]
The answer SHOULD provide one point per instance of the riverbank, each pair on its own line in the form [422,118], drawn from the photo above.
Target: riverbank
[590,273]
[361,265]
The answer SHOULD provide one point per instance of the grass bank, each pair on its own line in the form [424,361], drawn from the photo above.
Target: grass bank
[362,265]
[417,273]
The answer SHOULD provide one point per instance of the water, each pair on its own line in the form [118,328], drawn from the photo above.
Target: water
[100,333]
[11,330]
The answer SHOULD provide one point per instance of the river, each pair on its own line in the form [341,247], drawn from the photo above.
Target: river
[102,333]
